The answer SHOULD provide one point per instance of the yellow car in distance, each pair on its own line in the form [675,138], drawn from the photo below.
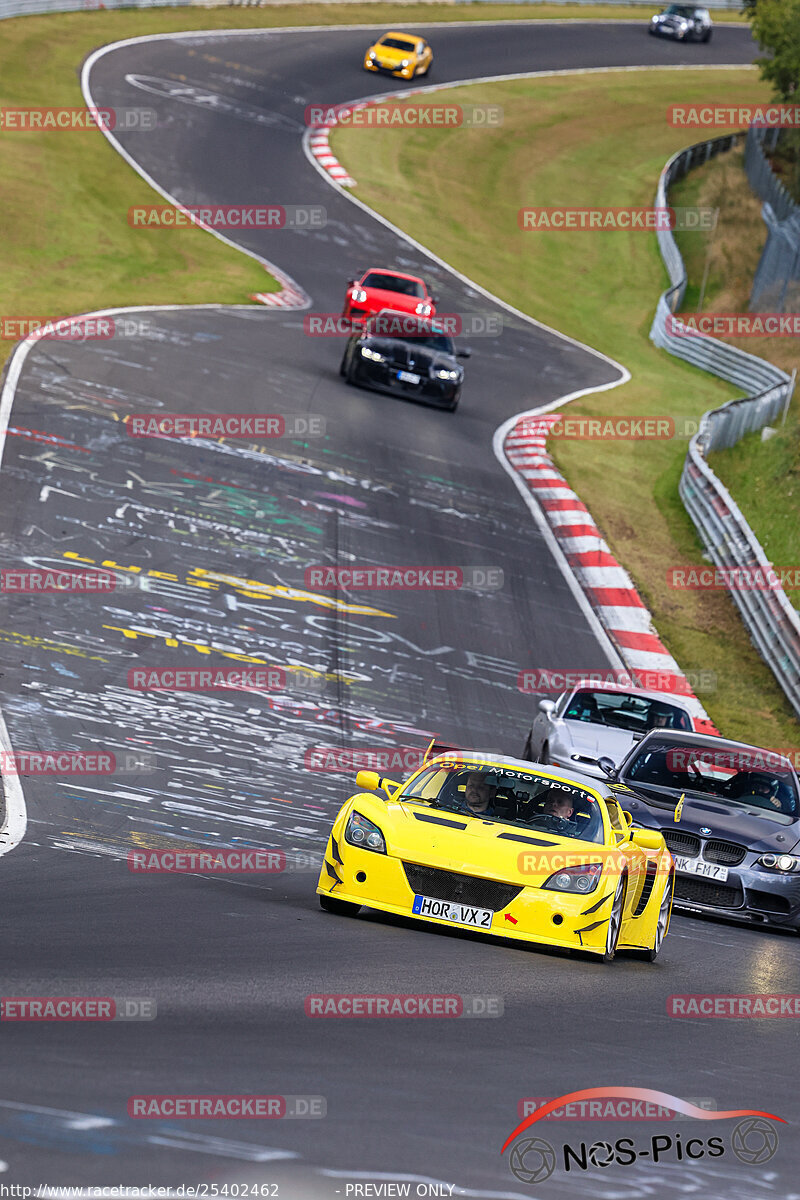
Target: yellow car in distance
[505,847]
[402,54]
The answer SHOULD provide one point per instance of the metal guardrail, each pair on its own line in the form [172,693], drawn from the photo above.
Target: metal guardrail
[776,283]
[773,624]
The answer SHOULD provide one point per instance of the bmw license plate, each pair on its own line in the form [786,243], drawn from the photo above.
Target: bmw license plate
[696,866]
[457,914]
[407,377]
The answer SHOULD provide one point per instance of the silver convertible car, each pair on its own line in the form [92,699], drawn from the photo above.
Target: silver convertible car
[593,722]
[683,22]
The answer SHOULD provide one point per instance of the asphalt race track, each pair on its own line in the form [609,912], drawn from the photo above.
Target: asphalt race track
[210,542]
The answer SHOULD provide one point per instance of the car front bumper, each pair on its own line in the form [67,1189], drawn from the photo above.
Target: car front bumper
[545,917]
[383,378]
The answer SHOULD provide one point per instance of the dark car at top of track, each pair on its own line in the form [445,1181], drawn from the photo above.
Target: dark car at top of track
[683,22]
[406,356]
[730,815]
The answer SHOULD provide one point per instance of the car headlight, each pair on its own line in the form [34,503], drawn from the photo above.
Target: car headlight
[443,373]
[364,833]
[423,310]
[406,62]
[359,295]
[683,25]
[373,55]
[583,878]
[373,355]
[779,862]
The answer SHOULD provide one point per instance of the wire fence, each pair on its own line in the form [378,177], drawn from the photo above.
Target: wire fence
[730,543]
[22,8]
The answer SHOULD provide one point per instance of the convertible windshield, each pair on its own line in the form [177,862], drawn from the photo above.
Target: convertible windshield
[637,714]
[393,283]
[740,775]
[397,43]
[512,797]
[680,10]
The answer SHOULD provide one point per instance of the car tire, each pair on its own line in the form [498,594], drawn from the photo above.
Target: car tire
[454,403]
[527,750]
[342,367]
[615,919]
[544,757]
[662,925]
[342,908]
[707,35]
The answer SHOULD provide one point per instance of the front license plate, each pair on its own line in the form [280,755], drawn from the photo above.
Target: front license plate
[407,377]
[696,866]
[457,914]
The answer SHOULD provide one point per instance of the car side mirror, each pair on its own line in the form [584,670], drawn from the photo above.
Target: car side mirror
[607,764]
[627,817]
[352,282]
[372,782]
[435,299]
[464,352]
[647,839]
[547,706]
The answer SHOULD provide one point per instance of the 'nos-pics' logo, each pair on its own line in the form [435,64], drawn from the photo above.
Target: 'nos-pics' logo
[753,1140]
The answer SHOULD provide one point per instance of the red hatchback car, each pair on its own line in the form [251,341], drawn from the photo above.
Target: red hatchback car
[380,288]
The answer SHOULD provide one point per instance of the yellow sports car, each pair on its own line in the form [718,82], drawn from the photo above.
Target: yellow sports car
[508,847]
[401,54]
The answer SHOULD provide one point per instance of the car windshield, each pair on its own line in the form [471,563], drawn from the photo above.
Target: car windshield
[680,10]
[397,43]
[741,775]
[511,797]
[393,283]
[623,710]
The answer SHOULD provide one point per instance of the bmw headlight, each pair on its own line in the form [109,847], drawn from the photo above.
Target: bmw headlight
[364,833]
[372,355]
[779,862]
[359,295]
[583,878]
[443,373]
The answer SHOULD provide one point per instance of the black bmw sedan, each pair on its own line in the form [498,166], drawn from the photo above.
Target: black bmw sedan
[406,356]
[730,815]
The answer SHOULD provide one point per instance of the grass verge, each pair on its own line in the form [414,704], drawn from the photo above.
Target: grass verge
[598,140]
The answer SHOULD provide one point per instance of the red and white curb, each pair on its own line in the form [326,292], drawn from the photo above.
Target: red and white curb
[319,146]
[291,294]
[607,585]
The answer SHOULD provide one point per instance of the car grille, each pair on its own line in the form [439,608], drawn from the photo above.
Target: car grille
[724,852]
[682,843]
[462,889]
[706,891]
